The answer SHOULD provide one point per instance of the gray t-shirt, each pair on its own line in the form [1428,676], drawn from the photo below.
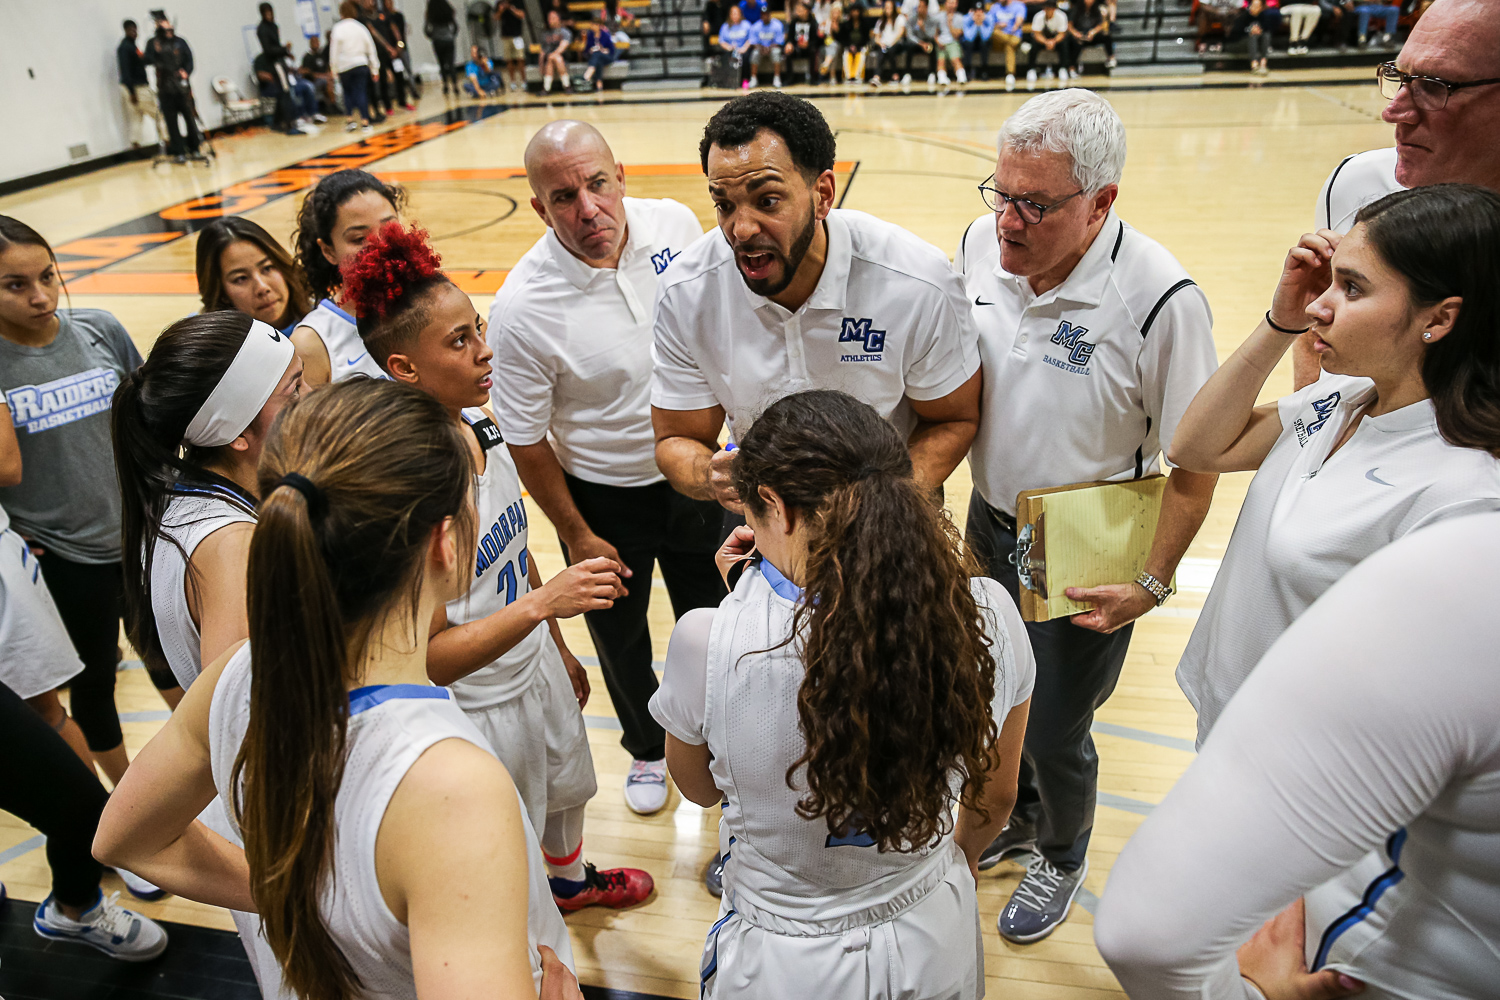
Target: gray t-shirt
[68,500]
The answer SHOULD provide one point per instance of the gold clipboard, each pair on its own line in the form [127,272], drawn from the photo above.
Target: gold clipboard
[1083,535]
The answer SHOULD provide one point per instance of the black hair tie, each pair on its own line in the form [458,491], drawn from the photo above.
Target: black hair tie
[317,503]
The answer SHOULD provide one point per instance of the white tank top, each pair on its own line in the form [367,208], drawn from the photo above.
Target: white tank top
[195,512]
[390,726]
[347,355]
[782,872]
[502,573]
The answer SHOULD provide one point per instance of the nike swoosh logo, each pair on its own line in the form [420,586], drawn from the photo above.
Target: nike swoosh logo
[355,361]
[1376,479]
[276,336]
[979,303]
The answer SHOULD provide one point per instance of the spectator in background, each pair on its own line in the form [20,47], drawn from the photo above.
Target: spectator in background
[304,94]
[888,43]
[804,41]
[1211,12]
[854,40]
[1049,33]
[173,60]
[268,32]
[828,67]
[1009,17]
[735,40]
[1389,11]
[1302,18]
[599,50]
[713,19]
[140,103]
[553,57]
[1089,25]
[316,71]
[270,74]
[769,36]
[920,32]
[441,28]
[754,10]
[1252,24]
[352,55]
[512,19]
[479,74]
[974,39]
[950,50]
[401,61]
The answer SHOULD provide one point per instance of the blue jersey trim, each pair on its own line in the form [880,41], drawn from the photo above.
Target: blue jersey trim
[1390,877]
[365,698]
[329,305]
[778,582]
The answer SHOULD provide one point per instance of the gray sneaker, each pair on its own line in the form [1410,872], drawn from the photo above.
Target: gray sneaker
[108,926]
[1018,837]
[1041,901]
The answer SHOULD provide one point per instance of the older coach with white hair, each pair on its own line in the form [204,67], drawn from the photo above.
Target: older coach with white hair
[1094,340]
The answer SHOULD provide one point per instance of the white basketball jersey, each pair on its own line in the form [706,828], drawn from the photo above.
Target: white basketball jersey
[347,355]
[194,512]
[502,573]
[784,872]
[390,726]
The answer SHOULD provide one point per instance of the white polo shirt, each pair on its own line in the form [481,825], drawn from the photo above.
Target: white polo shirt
[1354,183]
[1308,519]
[887,321]
[573,347]
[1088,380]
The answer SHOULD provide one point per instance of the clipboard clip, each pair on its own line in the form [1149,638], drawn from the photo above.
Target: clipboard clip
[1032,572]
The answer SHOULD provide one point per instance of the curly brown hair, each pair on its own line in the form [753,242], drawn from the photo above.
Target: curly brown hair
[900,677]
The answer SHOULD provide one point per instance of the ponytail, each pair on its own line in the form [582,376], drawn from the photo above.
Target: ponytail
[149,416]
[900,678]
[340,547]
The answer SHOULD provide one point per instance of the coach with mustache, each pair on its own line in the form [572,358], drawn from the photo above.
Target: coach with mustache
[792,294]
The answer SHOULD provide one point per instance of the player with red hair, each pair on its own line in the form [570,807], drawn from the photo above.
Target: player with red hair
[519,684]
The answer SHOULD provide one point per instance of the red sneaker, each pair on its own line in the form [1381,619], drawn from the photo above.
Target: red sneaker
[615,888]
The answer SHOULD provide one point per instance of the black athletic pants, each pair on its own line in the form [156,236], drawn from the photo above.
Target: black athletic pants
[647,524]
[45,784]
[174,103]
[1076,671]
[449,72]
[90,599]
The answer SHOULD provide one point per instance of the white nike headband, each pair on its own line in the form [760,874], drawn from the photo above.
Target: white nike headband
[244,389]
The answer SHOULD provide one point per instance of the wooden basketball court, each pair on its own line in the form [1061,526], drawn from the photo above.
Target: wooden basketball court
[1225,174]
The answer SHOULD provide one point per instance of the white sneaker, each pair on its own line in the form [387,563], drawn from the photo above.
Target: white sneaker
[1111,62]
[1062,76]
[906,79]
[367,129]
[139,887]
[931,79]
[1031,79]
[1049,73]
[351,125]
[320,119]
[1010,81]
[114,930]
[646,786]
[754,81]
[960,75]
[942,78]
[776,81]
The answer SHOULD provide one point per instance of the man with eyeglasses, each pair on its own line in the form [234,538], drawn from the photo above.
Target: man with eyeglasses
[1093,341]
[1444,94]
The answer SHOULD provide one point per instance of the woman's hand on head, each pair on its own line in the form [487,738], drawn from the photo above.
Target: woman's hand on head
[1275,960]
[1307,273]
[738,547]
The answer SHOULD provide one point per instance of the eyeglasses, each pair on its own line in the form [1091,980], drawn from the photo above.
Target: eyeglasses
[1429,93]
[1030,212]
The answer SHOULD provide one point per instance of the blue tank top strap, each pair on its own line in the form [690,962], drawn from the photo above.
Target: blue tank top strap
[779,582]
[365,698]
[333,308]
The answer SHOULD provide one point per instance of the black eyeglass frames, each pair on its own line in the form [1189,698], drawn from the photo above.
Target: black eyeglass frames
[1429,93]
[1031,213]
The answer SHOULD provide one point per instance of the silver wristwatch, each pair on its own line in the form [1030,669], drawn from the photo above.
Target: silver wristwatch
[1158,590]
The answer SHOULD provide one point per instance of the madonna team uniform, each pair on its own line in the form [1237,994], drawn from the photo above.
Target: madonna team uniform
[36,655]
[1308,519]
[347,354]
[1356,182]
[523,702]
[887,321]
[805,913]
[390,727]
[1368,729]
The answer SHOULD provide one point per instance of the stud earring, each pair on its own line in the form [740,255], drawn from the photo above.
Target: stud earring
[1427,335]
